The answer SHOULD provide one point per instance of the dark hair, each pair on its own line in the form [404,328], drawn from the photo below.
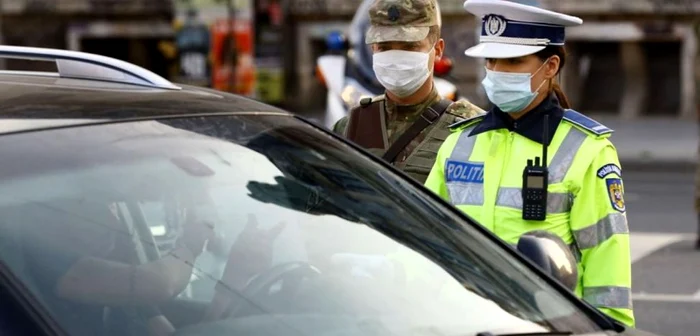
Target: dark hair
[434,34]
[543,55]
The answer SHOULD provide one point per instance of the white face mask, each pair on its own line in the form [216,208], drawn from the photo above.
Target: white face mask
[401,72]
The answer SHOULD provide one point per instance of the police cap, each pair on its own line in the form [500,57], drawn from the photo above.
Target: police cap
[511,29]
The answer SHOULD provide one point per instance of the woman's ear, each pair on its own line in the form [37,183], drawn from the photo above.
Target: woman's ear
[552,67]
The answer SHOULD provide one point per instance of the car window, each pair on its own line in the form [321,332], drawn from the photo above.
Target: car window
[299,233]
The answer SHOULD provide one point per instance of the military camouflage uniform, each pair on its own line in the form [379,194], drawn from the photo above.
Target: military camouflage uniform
[410,21]
[418,157]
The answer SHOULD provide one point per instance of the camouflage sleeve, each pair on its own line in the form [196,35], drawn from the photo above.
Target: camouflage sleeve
[340,126]
[465,109]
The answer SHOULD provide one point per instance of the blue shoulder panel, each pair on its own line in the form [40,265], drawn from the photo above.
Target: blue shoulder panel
[586,123]
[466,122]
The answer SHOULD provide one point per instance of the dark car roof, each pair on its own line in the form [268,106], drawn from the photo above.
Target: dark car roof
[49,97]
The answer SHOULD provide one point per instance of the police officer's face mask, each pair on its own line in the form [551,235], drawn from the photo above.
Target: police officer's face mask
[511,91]
[402,72]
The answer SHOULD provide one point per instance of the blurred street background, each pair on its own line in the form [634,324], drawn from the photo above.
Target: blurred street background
[634,65]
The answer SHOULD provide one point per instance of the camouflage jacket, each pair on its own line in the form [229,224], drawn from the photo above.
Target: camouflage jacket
[418,157]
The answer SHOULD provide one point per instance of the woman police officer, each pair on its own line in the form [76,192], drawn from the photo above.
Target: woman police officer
[488,167]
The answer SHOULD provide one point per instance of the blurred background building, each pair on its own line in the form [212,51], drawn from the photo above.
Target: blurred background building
[125,29]
[631,58]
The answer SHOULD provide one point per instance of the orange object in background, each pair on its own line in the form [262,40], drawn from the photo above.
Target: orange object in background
[226,48]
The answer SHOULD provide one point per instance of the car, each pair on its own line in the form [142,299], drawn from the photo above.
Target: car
[130,205]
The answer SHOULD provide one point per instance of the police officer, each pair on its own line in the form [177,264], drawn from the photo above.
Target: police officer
[576,193]
[407,124]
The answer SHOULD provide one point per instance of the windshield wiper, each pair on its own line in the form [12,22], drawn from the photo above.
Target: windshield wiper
[546,333]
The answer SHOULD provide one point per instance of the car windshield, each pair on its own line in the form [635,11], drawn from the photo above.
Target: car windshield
[248,225]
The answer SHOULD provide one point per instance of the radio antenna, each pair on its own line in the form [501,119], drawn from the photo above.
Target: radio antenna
[545,140]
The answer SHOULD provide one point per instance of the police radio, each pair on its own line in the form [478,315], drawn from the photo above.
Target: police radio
[535,182]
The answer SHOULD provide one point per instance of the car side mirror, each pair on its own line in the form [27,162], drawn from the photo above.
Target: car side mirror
[552,255]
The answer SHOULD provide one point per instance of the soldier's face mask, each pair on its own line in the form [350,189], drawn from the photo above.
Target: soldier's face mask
[511,91]
[402,72]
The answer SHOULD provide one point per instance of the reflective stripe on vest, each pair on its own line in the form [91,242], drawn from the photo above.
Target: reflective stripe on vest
[608,297]
[460,192]
[470,193]
[604,229]
[512,198]
[562,160]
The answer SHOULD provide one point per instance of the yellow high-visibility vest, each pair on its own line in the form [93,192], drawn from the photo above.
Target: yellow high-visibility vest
[482,176]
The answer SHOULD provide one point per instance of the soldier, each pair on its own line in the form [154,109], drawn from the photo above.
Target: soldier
[408,123]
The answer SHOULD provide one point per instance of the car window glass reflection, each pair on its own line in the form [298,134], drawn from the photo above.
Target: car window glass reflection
[185,227]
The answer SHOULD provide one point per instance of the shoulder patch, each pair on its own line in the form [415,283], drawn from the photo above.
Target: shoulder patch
[616,193]
[466,122]
[586,123]
[608,169]
[464,109]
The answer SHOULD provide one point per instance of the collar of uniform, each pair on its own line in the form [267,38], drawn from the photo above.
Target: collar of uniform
[409,112]
[530,125]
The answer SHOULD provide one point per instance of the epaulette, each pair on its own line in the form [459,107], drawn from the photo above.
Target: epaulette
[586,123]
[366,101]
[466,122]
